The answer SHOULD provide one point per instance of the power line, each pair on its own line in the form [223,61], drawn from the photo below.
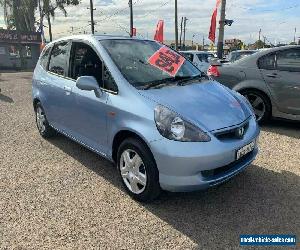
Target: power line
[108,17]
[268,10]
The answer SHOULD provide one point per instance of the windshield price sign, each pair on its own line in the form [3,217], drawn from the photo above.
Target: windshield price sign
[167,60]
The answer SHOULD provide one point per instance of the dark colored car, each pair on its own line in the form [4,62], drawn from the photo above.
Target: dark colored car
[238,54]
[269,79]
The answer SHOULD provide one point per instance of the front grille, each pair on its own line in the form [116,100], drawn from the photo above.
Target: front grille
[213,173]
[232,133]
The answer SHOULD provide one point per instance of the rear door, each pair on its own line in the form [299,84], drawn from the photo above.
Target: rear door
[281,72]
[59,87]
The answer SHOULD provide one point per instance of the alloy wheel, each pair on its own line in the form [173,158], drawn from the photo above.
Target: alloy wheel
[40,119]
[133,171]
[258,105]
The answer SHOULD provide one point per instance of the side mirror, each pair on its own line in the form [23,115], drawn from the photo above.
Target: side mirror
[89,83]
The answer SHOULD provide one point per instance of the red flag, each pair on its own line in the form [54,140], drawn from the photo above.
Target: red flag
[159,33]
[213,24]
[133,31]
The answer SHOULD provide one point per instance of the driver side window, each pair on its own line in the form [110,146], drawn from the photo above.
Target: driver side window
[86,62]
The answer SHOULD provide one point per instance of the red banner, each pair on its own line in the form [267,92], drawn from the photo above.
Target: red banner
[159,33]
[213,25]
[133,31]
[167,60]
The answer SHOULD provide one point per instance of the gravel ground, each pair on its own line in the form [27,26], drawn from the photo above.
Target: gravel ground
[57,195]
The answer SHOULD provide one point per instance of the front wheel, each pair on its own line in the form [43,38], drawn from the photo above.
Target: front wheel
[138,170]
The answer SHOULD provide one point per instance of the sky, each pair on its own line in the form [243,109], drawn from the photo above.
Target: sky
[277,18]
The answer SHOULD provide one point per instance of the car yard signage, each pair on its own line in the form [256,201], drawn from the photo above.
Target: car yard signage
[12,36]
[167,60]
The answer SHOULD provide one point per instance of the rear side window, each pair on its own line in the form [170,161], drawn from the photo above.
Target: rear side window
[59,58]
[203,57]
[289,60]
[45,58]
[267,62]
[189,56]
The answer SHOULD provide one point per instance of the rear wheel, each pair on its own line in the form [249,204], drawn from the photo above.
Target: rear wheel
[260,103]
[42,124]
[138,170]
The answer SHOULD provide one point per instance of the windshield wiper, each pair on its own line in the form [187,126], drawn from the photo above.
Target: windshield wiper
[184,80]
[159,83]
[178,80]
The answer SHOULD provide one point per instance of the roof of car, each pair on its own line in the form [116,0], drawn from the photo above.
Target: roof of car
[241,51]
[253,58]
[97,37]
[196,52]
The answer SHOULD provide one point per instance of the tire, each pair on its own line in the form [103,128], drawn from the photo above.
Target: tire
[263,108]
[45,130]
[140,178]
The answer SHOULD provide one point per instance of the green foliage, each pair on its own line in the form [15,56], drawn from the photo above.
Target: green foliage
[20,14]
[50,7]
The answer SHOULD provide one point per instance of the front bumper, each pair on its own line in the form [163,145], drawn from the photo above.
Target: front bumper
[183,166]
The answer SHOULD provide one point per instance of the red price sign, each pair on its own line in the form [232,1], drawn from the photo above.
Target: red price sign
[167,60]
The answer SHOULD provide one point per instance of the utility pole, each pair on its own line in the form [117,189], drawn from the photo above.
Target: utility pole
[295,35]
[184,30]
[203,41]
[176,26]
[131,18]
[259,34]
[180,43]
[92,16]
[221,30]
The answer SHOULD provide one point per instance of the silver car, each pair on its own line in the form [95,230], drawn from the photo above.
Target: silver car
[141,105]
[201,59]
[269,79]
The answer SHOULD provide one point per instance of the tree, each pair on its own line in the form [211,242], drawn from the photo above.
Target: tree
[259,44]
[19,14]
[49,8]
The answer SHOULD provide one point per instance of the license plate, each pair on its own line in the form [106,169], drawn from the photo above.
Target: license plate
[245,150]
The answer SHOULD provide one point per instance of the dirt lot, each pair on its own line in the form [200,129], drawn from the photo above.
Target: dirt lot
[56,194]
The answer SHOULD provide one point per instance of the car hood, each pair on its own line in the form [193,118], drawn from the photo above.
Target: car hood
[206,104]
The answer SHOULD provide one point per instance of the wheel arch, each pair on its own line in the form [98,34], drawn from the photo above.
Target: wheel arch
[120,136]
[257,90]
[35,102]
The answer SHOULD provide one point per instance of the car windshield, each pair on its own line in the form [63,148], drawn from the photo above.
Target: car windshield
[203,57]
[134,59]
[244,54]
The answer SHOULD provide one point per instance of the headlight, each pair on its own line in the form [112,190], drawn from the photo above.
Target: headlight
[173,127]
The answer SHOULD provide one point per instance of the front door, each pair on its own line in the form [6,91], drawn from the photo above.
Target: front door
[89,121]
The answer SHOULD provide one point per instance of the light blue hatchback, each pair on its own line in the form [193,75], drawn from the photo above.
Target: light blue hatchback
[138,103]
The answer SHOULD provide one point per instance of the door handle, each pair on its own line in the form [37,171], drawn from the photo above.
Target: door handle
[274,75]
[68,90]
